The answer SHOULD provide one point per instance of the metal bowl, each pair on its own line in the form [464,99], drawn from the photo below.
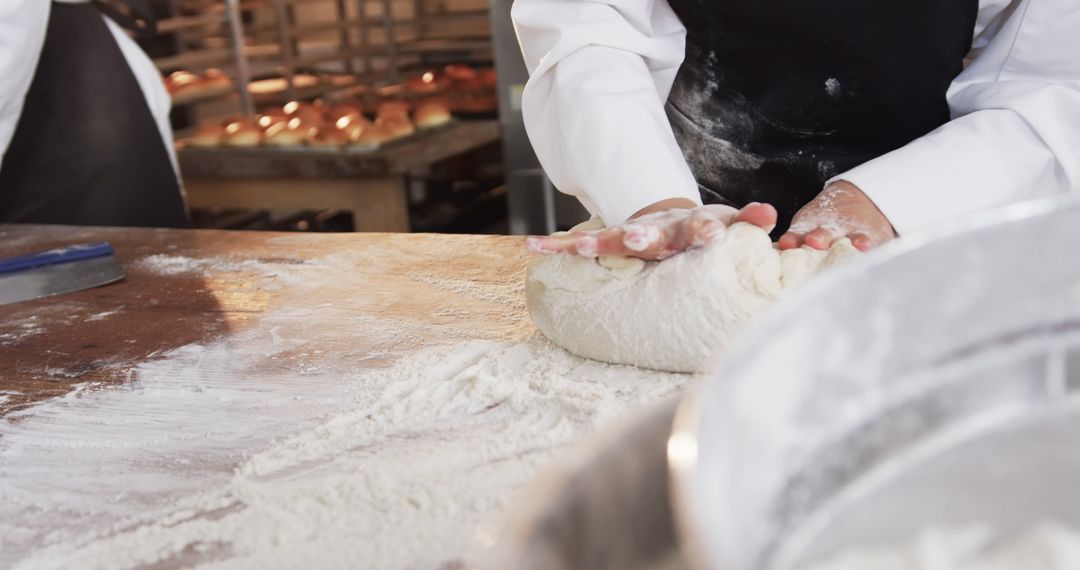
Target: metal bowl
[603,505]
[934,382]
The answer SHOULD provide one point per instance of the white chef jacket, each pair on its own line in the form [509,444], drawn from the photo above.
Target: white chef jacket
[22,34]
[601,70]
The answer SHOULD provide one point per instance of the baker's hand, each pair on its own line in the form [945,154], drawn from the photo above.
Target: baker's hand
[841,210]
[658,231]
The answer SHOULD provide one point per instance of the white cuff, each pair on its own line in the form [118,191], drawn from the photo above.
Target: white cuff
[968,164]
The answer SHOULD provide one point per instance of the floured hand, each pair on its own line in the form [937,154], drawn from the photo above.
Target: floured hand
[840,210]
[657,232]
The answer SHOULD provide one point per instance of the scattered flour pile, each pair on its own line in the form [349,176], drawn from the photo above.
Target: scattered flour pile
[389,468]
[1048,546]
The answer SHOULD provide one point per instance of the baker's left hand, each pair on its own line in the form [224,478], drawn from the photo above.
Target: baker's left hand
[840,210]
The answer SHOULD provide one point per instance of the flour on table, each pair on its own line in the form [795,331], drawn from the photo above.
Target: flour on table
[669,315]
[1048,546]
[400,467]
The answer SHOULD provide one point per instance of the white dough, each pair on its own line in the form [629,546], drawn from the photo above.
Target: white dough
[670,315]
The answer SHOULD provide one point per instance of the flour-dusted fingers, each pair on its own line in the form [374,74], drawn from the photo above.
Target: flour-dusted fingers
[791,240]
[700,229]
[642,236]
[663,234]
[801,227]
[658,234]
[565,243]
[609,241]
[840,210]
[761,215]
[652,239]
[655,236]
[820,238]
[587,245]
[861,241]
[756,213]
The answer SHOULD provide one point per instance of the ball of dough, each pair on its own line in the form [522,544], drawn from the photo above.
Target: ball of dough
[671,315]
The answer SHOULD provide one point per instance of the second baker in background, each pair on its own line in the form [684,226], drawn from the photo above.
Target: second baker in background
[84,118]
[852,118]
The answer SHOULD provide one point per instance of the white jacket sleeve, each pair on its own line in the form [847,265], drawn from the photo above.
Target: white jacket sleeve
[1015,132]
[22,34]
[600,72]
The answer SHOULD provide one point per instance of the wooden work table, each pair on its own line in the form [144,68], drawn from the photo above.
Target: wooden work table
[119,404]
[274,400]
[207,284]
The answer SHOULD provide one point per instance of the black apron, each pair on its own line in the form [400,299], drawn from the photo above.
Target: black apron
[86,149]
[777,96]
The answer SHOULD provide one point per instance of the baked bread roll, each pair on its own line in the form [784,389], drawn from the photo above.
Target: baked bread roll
[372,136]
[308,128]
[330,136]
[271,118]
[207,135]
[487,78]
[215,78]
[347,110]
[180,81]
[424,83]
[431,114]
[242,133]
[396,126]
[354,126]
[388,109]
[459,73]
[281,135]
[309,112]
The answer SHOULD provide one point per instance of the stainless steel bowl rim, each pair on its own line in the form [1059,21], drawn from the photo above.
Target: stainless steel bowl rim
[684,444]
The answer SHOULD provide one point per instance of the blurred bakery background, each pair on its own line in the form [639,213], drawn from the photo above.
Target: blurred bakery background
[352,115]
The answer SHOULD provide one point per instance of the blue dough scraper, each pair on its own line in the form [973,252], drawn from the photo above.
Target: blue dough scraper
[58,271]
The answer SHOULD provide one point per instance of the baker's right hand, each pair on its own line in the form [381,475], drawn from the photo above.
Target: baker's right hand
[658,231]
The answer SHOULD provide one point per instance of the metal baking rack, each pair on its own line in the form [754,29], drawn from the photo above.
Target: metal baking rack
[365,42]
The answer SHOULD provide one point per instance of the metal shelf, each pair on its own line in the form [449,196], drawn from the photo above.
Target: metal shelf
[203,95]
[179,23]
[354,28]
[212,56]
[193,58]
[307,92]
[434,45]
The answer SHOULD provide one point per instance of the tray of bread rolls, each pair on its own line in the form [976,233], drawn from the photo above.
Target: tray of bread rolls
[186,87]
[465,90]
[332,142]
[356,131]
[320,127]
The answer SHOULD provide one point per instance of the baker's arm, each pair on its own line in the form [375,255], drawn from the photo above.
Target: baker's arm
[600,71]
[1015,132]
[22,34]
